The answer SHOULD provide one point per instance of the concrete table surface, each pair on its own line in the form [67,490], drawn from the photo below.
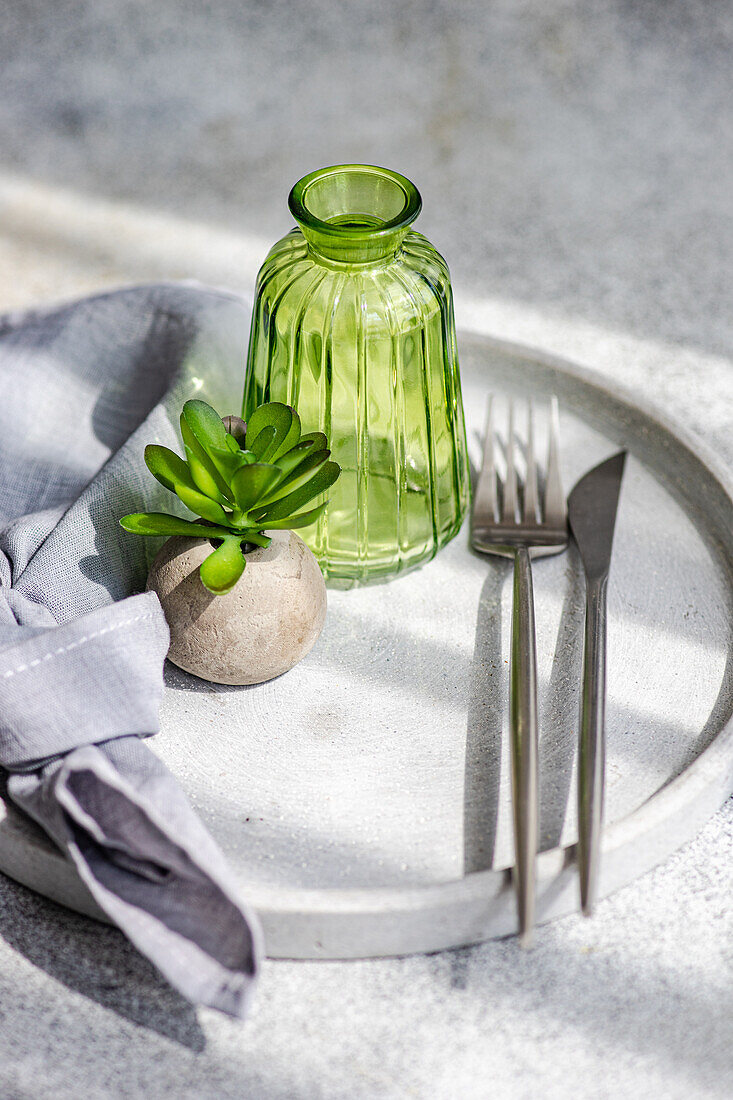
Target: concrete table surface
[574,161]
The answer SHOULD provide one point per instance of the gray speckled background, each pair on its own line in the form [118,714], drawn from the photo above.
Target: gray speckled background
[575,164]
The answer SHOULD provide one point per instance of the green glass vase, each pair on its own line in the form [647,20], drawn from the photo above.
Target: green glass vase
[353,326]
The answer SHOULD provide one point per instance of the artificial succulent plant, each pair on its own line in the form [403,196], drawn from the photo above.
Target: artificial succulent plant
[240,479]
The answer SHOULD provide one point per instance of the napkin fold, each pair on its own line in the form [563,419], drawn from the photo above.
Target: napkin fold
[85,386]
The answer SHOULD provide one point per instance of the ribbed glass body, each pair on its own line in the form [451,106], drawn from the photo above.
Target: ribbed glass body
[353,325]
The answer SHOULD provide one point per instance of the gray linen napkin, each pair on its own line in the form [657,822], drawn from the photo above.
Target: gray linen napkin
[83,388]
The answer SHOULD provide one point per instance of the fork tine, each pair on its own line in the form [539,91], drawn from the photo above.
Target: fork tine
[555,505]
[531,496]
[510,482]
[486,496]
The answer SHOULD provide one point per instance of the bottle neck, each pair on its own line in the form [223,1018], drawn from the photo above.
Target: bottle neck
[371,248]
[354,213]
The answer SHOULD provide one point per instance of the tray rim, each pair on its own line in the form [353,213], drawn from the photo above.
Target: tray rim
[360,922]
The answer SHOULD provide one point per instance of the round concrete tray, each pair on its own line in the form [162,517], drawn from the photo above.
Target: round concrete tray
[363,798]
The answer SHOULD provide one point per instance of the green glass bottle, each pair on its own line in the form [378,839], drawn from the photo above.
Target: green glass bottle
[353,326]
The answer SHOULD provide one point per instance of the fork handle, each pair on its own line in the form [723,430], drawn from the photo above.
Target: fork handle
[592,747]
[524,742]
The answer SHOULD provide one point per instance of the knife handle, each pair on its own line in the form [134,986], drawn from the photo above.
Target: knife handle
[524,750]
[592,749]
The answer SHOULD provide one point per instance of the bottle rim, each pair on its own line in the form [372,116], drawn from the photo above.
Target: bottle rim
[298,202]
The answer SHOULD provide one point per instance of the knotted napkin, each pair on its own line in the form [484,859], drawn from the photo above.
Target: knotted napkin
[83,388]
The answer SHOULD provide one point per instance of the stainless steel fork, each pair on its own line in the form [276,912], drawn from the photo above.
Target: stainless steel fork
[507,519]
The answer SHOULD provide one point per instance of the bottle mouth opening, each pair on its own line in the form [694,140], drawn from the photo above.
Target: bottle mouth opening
[353,201]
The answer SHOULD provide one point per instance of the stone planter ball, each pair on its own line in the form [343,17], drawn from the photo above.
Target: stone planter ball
[260,629]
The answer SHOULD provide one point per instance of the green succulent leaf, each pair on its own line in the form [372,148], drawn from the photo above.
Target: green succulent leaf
[222,569]
[202,505]
[172,471]
[206,425]
[259,443]
[203,469]
[313,487]
[250,483]
[274,414]
[316,439]
[295,456]
[285,423]
[252,535]
[227,461]
[291,439]
[303,519]
[167,467]
[158,523]
[242,458]
[297,477]
[217,444]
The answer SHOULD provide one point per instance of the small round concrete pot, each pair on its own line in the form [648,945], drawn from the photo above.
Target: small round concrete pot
[260,629]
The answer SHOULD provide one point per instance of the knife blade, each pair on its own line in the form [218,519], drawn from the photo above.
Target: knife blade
[592,508]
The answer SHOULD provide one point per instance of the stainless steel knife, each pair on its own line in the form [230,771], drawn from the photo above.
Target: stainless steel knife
[592,507]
